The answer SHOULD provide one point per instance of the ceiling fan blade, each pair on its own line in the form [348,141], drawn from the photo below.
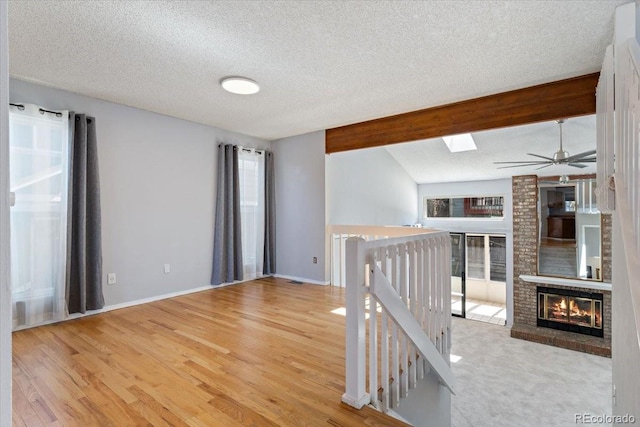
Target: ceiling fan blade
[545,166]
[578,156]
[577,165]
[533,162]
[542,157]
[517,166]
[589,160]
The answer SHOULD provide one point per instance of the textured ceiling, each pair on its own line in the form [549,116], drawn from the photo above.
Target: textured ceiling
[321,64]
[430,161]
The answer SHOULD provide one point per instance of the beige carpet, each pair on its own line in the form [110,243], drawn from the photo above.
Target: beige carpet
[503,381]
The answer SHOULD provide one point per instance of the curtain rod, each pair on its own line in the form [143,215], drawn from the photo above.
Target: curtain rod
[42,110]
[248,150]
[257,150]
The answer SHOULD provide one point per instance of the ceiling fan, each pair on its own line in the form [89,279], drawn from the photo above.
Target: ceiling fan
[560,157]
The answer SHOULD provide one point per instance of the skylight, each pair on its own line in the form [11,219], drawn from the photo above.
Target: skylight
[458,143]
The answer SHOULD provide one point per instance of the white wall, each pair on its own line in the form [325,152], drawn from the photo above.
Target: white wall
[300,205]
[476,225]
[427,405]
[369,187]
[157,177]
[5,260]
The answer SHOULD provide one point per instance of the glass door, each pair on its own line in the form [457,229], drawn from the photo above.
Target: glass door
[485,280]
[457,275]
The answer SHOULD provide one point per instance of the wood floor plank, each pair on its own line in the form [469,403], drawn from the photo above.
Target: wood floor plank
[261,353]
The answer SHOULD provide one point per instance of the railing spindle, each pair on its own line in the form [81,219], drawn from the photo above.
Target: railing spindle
[384,343]
[404,294]
[419,298]
[395,339]
[373,343]
[432,292]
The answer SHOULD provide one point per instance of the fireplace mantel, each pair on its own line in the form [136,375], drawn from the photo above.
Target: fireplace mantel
[585,284]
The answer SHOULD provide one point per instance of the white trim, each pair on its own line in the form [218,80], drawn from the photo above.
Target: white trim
[576,283]
[144,301]
[5,260]
[302,279]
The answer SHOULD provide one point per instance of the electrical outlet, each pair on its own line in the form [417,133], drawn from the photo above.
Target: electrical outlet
[315,259]
[111,279]
[167,268]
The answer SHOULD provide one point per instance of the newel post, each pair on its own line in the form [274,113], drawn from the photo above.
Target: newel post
[355,394]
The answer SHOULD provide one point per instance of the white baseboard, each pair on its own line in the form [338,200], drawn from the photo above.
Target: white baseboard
[150,299]
[302,279]
[160,297]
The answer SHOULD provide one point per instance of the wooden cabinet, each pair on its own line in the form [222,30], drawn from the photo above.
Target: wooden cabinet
[561,227]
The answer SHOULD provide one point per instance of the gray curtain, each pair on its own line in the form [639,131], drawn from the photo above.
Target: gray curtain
[84,238]
[227,239]
[269,264]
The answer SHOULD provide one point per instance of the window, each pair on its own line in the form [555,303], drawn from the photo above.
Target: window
[38,144]
[252,176]
[464,207]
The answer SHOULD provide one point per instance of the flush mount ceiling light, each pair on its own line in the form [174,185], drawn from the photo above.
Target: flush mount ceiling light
[462,142]
[239,85]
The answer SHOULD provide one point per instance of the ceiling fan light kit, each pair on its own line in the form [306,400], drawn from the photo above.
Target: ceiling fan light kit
[560,157]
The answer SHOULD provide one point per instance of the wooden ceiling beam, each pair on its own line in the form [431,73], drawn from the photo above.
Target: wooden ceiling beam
[550,101]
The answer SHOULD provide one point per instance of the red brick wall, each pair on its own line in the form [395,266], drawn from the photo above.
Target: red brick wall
[525,247]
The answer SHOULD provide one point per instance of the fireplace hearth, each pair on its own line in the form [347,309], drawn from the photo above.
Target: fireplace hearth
[569,310]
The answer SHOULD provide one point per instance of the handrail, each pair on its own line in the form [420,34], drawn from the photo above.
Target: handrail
[377,230]
[339,233]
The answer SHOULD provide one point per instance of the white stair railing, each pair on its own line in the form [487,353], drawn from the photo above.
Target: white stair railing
[618,175]
[403,285]
[338,235]
[625,143]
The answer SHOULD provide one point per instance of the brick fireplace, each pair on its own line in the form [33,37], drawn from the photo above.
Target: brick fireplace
[525,293]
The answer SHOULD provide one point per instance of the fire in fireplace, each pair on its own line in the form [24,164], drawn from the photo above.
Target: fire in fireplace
[569,310]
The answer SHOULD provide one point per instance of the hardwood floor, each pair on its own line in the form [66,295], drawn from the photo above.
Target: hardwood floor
[263,353]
